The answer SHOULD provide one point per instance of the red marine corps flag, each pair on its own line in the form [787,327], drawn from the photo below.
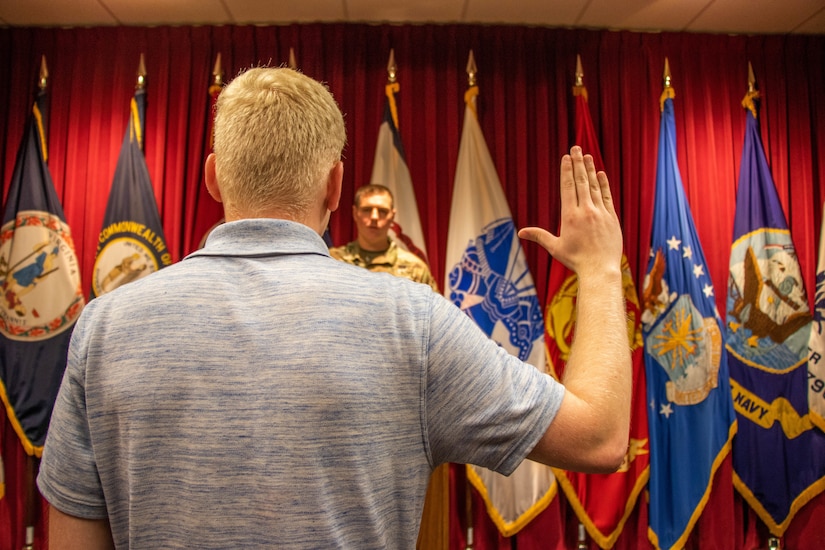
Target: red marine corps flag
[602,502]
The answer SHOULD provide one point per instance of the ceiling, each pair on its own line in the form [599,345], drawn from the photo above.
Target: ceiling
[714,16]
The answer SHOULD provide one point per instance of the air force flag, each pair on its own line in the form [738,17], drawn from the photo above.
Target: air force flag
[691,418]
[488,278]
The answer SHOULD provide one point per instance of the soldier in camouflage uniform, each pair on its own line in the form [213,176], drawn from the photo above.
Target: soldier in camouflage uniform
[374,212]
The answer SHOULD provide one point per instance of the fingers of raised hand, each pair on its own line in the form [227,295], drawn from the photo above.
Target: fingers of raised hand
[606,196]
[538,235]
[581,175]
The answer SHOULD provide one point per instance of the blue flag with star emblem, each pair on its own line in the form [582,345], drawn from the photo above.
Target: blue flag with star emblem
[778,453]
[131,244]
[691,418]
[41,294]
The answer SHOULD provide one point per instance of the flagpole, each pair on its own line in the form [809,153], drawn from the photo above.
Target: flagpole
[217,72]
[471,82]
[31,460]
[141,74]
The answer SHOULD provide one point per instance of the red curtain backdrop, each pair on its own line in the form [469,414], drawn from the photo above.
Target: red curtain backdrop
[525,76]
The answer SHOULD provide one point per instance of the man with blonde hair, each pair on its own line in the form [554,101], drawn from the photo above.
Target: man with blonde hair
[261,394]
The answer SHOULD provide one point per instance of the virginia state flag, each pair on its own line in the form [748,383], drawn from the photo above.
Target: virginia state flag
[691,418]
[208,212]
[602,502]
[41,291]
[131,244]
[488,278]
[390,170]
[778,455]
[816,347]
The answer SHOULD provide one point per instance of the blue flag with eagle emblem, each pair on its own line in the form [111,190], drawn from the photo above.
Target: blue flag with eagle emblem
[131,244]
[41,291]
[488,278]
[778,454]
[691,418]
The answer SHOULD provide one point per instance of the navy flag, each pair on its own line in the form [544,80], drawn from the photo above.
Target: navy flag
[41,291]
[816,346]
[691,418]
[778,454]
[131,244]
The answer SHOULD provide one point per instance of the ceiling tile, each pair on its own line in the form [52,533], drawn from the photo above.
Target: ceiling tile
[269,12]
[551,13]
[814,25]
[51,13]
[419,11]
[642,15]
[759,16]
[164,12]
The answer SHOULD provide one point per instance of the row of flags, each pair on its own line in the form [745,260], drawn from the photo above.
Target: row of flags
[696,380]
[42,295]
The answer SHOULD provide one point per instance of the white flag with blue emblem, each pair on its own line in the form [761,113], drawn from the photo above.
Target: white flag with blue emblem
[488,278]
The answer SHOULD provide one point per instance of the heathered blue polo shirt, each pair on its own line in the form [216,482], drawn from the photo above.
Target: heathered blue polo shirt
[262,394]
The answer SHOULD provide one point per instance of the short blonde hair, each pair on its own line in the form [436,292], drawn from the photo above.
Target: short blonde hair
[278,133]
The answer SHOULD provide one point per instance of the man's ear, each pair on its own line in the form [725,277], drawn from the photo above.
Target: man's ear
[334,183]
[211,178]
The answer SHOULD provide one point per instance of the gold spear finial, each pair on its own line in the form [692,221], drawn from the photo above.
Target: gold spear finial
[141,74]
[579,71]
[392,69]
[44,73]
[749,101]
[217,72]
[668,92]
[578,87]
[292,64]
[472,70]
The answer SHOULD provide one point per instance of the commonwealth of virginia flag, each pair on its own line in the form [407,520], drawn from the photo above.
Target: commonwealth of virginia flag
[131,244]
[488,278]
[41,290]
[390,170]
[602,502]
[778,455]
[691,419]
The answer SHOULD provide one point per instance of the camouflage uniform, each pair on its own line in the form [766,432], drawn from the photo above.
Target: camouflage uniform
[394,260]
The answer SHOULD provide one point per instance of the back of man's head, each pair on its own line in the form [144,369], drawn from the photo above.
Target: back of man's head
[278,134]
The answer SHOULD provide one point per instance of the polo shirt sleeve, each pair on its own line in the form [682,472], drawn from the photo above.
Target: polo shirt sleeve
[68,476]
[483,406]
